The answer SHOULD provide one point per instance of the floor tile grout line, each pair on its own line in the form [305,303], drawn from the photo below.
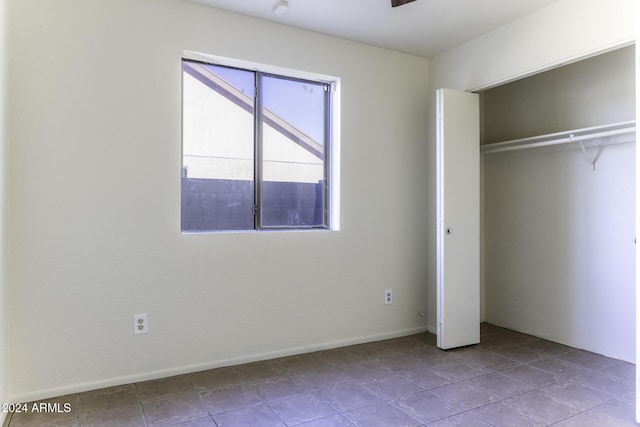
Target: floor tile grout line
[275,413]
[583,412]
[144,417]
[7,420]
[604,403]
[193,387]
[511,397]
[397,407]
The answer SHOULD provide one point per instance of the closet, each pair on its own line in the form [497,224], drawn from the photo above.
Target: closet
[558,204]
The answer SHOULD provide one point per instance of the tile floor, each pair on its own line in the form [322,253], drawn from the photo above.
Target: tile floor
[510,379]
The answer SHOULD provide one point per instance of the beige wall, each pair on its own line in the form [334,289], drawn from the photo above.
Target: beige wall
[95,106]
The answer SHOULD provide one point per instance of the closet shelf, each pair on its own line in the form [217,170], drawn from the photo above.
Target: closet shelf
[566,137]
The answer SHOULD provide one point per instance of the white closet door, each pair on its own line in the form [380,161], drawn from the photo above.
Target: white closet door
[458,230]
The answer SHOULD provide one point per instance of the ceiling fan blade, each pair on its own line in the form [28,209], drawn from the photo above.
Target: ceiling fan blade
[395,3]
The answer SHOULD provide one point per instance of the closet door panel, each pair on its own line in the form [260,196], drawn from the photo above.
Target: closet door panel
[458,228]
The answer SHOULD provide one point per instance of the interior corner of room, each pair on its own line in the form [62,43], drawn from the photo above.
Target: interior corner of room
[90,193]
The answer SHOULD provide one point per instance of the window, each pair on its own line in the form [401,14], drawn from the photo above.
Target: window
[255,150]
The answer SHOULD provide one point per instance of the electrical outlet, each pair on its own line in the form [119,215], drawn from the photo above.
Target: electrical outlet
[140,324]
[388,299]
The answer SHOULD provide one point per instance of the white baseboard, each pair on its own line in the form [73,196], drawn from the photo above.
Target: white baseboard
[432,329]
[187,369]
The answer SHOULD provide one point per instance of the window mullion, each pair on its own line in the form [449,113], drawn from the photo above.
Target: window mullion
[327,153]
[258,151]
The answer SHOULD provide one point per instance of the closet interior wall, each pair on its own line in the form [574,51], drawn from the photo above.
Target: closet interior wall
[558,237]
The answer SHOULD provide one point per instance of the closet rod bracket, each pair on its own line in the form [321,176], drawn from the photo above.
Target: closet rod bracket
[592,162]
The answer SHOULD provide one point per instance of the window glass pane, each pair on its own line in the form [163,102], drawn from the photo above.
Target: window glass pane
[218,148]
[293,169]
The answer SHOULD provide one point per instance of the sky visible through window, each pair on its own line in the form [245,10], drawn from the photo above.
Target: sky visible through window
[299,103]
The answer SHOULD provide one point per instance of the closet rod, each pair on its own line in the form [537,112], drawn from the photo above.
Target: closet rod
[566,137]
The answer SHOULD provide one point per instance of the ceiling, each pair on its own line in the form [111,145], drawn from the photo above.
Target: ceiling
[424,27]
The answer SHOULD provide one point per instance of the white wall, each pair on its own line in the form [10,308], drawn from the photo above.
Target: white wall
[563,32]
[94,202]
[559,251]
[3,136]
[592,92]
